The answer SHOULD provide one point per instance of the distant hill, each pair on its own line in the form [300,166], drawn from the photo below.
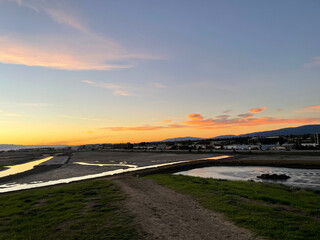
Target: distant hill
[15,147]
[224,136]
[306,129]
[181,139]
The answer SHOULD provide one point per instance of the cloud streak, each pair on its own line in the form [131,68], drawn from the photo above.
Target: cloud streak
[81,49]
[314,108]
[56,56]
[195,116]
[257,110]
[56,10]
[117,90]
[158,85]
[10,114]
[197,121]
[314,63]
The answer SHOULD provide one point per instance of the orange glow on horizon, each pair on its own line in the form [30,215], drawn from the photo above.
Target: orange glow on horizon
[73,133]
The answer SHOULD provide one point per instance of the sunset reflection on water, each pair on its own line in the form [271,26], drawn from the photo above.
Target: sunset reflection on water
[309,178]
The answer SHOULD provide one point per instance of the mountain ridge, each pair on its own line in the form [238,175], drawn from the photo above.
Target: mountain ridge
[304,129]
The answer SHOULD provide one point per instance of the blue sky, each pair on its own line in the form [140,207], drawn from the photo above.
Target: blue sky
[108,71]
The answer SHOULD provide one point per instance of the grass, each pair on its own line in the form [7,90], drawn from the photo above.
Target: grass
[85,210]
[270,210]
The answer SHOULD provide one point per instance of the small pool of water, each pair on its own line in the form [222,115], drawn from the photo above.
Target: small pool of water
[305,178]
[19,168]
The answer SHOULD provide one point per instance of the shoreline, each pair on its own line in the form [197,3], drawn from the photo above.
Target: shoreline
[148,163]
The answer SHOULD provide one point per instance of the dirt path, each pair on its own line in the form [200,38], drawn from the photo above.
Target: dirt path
[165,214]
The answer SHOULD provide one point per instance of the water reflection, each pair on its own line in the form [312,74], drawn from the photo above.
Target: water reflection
[307,178]
[107,165]
[16,187]
[22,167]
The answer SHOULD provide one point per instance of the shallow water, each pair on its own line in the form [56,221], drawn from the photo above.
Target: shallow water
[11,170]
[10,187]
[305,178]
[106,165]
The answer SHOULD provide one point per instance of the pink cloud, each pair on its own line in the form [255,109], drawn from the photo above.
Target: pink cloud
[194,116]
[257,110]
[314,108]
[82,49]
[196,121]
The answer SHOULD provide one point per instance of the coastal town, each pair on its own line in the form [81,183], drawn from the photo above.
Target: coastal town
[305,142]
[274,143]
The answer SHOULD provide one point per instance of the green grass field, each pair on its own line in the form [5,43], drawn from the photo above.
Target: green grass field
[269,210]
[84,210]
[94,209]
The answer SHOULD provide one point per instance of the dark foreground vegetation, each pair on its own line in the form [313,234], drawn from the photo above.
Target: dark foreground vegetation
[94,209]
[270,210]
[85,210]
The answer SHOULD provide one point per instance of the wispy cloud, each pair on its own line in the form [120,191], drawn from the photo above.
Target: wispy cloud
[144,128]
[158,85]
[58,11]
[62,17]
[257,110]
[195,116]
[246,115]
[197,121]
[314,63]
[63,55]
[166,121]
[11,114]
[27,104]
[314,108]
[227,111]
[81,49]
[223,116]
[117,90]
[81,118]
[36,104]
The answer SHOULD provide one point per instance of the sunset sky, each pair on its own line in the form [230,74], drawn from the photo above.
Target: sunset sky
[80,72]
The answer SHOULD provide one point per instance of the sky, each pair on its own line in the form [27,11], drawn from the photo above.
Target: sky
[83,72]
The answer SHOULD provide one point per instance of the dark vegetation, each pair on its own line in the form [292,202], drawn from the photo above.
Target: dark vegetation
[270,210]
[85,210]
[274,176]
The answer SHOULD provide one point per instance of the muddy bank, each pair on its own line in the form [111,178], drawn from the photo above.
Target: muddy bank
[14,158]
[235,161]
[149,159]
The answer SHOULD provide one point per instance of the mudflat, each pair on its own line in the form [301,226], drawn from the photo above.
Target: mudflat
[107,161]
